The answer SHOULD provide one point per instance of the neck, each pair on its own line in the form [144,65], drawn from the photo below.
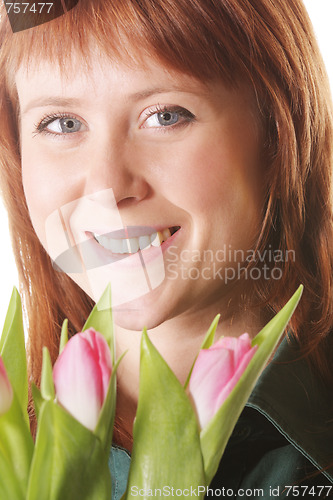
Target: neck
[178,340]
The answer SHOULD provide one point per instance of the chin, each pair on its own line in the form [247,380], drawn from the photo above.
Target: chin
[134,320]
[139,314]
[141,310]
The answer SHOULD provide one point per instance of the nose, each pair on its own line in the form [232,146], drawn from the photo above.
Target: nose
[114,165]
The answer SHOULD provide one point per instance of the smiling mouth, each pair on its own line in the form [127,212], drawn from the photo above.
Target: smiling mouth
[134,244]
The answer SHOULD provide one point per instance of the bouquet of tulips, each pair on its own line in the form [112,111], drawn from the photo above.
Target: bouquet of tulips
[179,433]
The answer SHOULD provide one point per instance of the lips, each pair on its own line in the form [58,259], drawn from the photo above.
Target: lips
[132,239]
[123,243]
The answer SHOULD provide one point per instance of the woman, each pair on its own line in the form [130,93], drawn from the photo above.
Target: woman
[183,151]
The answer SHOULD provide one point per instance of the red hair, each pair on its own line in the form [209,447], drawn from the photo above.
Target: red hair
[271,45]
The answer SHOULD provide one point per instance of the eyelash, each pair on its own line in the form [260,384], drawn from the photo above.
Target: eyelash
[182,112]
[41,126]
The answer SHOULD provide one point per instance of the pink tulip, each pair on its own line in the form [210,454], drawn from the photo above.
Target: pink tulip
[81,376]
[6,391]
[216,372]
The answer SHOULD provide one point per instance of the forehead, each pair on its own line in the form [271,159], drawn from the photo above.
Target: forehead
[138,78]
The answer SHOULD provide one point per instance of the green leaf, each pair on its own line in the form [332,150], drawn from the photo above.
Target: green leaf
[101,320]
[38,399]
[215,435]
[63,336]
[166,449]
[104,428]
[210,335]
[269,334]
[12,351]
[47,385]
[207,342]
[16,445]
[16,449]
[69,461]
[9,486]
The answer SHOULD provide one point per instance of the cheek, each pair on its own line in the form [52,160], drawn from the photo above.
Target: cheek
[37,193]
[212,172]
[45,188]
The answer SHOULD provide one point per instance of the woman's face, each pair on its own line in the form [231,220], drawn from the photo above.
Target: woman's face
[142,177]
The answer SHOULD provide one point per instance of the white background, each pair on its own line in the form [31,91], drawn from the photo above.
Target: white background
[321,12]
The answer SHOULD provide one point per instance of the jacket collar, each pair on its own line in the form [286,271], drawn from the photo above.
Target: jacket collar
[295,401]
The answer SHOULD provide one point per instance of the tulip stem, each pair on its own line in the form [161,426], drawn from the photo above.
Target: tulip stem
[47,386]
[207,342]
[63,335]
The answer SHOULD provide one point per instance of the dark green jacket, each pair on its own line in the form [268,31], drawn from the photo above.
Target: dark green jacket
[283,437]
[282,440]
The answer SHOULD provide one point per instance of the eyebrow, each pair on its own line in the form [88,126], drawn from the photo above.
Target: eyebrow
[41,102]
[161,90]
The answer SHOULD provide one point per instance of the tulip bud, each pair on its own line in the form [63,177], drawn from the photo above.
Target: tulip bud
[81,376]
[6,391]
[216,372]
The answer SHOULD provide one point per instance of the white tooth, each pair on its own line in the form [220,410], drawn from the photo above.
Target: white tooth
[125,246]
[158,240]
[154,237]
[102,240]
[134,245]
[144,242]
[106,242]
[131,245]
[112,245]
[166,234]
[116,246]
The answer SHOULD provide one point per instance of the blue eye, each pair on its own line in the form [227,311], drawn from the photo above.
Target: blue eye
[67,125]
[167,117]
[55,124]
[163,119]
